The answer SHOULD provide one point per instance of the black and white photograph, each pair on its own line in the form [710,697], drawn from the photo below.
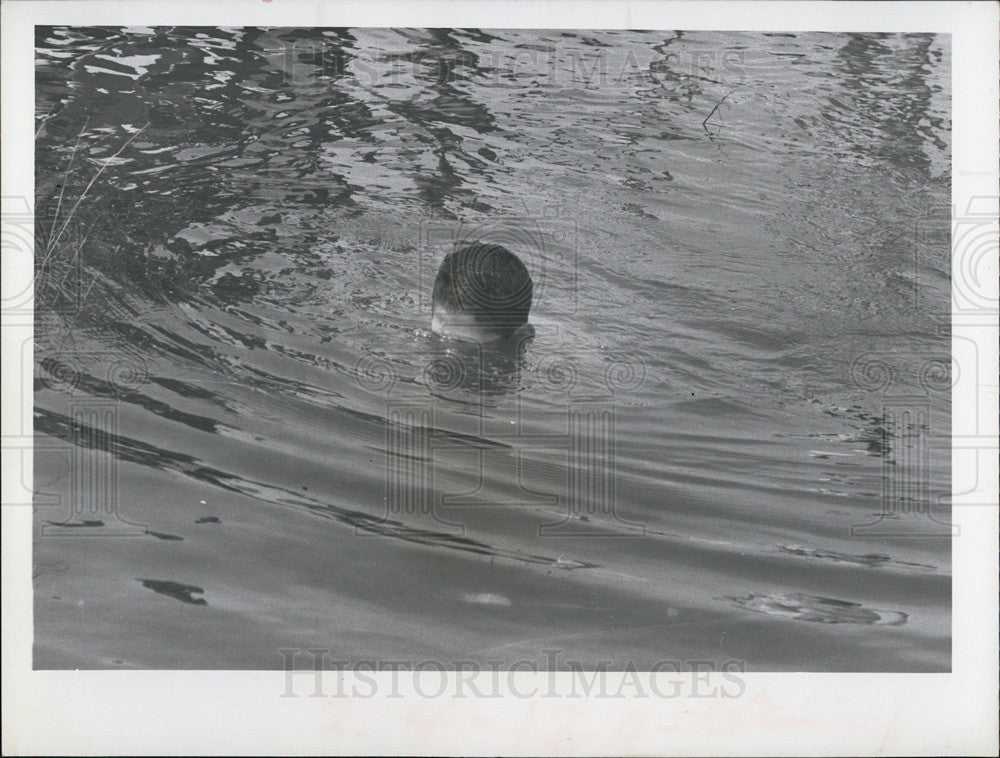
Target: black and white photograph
[412,356]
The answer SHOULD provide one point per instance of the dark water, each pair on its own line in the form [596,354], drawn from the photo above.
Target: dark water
[727,440]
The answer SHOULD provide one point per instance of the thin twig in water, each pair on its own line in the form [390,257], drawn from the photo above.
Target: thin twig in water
[45,119]
[69,332]
[69,268]
[89,288]
[65,181]
[90,184]
[76,258]
[712,112]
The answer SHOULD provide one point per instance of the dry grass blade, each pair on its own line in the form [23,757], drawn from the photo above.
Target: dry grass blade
[83,195]
[712,112]
[65,181]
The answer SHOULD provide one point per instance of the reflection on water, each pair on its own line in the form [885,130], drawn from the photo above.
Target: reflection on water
[467,370]
[183,592]
[730,416]
[822,610]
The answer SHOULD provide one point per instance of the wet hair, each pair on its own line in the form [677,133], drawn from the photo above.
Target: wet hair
[483,285]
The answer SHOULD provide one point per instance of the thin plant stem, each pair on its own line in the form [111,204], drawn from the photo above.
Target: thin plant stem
[65,181]
[90,184]
[712,112]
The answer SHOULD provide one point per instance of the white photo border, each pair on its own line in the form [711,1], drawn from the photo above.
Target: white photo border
[243,712]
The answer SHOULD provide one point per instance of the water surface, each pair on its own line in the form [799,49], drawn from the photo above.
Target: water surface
[726,441]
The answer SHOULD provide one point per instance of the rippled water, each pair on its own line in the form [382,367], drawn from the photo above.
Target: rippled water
[726,441]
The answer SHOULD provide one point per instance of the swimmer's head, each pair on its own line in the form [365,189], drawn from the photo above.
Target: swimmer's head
[482,293]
